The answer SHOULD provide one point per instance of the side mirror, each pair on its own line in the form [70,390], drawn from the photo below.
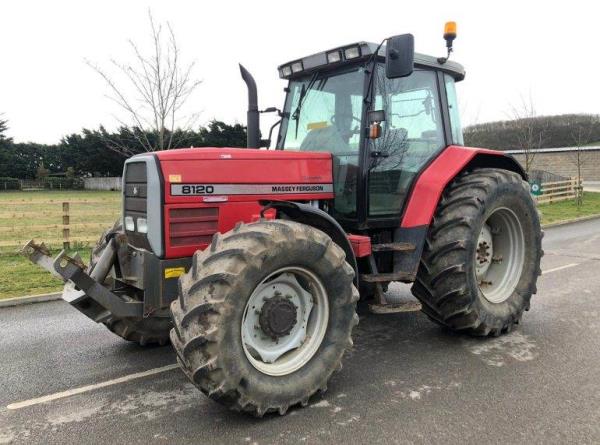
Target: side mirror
[375,118]
[400,56]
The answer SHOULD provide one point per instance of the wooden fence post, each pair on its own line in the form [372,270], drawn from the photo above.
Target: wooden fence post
[65,230]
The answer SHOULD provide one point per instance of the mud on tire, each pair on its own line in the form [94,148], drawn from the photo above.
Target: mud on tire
[208,315]
[146,331]
[446,282]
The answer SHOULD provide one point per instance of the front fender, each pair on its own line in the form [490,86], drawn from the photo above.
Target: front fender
[317,218]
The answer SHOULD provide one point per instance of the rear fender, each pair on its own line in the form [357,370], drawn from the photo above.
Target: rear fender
[428,189]
[432,182]
[314,217]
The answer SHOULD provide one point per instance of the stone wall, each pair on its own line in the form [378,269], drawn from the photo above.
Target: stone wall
[109,183]
[564,162]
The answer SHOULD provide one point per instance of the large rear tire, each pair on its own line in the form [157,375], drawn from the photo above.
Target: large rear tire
[145,331]
[264,316]
[482,254]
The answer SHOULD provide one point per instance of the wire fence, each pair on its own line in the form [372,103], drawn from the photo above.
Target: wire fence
[63,223]
[35,185]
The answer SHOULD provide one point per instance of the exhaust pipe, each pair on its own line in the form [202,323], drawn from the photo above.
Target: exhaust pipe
[253,118]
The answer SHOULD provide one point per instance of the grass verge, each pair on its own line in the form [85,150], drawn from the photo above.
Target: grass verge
[568,210]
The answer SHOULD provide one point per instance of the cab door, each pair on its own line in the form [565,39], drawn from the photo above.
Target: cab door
[412,134]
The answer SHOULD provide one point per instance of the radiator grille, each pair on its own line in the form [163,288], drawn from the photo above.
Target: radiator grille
[135,205]
[136,189]
[193,226]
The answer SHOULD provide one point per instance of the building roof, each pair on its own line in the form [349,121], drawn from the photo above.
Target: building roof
[552,150]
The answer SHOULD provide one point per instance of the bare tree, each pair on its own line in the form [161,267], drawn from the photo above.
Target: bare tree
[529,130]
[3,126]
[581,130]
[152,90]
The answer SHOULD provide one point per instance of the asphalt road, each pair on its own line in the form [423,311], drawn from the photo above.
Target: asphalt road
[405,381]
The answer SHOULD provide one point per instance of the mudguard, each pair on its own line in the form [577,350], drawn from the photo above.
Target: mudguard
[433,180]
[428,189]
[317,218]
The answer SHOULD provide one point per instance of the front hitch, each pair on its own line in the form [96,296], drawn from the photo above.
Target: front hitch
[84,291]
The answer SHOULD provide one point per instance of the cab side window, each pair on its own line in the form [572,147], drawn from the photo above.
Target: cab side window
[457,134]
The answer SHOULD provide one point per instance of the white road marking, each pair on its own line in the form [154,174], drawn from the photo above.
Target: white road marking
[556,269]
[87,388]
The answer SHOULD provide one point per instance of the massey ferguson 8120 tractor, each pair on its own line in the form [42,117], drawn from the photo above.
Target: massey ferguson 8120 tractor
[251,261]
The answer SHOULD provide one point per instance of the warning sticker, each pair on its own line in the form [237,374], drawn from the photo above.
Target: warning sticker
[174,272]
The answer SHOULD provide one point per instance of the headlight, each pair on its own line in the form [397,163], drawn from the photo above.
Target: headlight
[142,225]
[286,71]
[352,52]
[296,67]
[334,57]
[129,224]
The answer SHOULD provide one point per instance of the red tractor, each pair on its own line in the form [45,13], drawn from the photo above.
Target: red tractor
[250,261]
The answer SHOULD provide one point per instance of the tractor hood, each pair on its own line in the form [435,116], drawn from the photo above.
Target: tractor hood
[234,174]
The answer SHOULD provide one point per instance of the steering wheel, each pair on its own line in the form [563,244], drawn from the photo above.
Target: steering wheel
[357,119]
[351,131]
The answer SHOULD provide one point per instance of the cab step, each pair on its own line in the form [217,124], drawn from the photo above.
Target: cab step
[393,247]
[394,308]
[387,277]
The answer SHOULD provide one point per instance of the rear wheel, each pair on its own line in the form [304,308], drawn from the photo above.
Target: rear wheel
[145,331]
[264,316]
[482,255]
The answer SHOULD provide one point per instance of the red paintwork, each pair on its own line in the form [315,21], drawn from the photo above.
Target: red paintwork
[243,166]
[361,245]
[432,182]
[238,166]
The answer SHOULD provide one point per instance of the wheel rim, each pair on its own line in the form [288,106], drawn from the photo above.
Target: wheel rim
[284,321]
[499,255]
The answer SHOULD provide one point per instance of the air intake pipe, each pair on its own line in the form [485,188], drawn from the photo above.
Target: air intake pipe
[253,117]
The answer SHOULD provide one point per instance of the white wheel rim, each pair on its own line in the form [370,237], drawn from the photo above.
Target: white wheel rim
[500,255]
[288,353]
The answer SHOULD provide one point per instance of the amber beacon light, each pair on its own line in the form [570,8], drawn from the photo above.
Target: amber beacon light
[449,36]
[449,33]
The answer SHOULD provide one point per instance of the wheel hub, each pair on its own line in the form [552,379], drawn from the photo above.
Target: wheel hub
[285,321]
[499,255]
[484,252]
[278,316]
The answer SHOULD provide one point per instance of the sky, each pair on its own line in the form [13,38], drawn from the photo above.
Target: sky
[546,51]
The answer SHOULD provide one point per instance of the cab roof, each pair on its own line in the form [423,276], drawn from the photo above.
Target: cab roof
[320,60]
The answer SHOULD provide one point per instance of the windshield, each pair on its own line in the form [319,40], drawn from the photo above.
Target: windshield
[323,113]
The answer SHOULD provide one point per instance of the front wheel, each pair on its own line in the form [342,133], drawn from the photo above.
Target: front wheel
[482,255]
[264,316]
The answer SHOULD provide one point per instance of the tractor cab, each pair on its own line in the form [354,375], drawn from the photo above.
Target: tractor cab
[382,111]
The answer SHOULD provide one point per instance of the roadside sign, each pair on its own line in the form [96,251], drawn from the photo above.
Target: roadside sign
[536,188]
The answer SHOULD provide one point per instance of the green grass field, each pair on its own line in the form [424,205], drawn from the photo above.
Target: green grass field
[22,214]
[39,215]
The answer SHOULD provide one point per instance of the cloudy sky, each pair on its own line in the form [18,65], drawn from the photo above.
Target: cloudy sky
[511,49]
